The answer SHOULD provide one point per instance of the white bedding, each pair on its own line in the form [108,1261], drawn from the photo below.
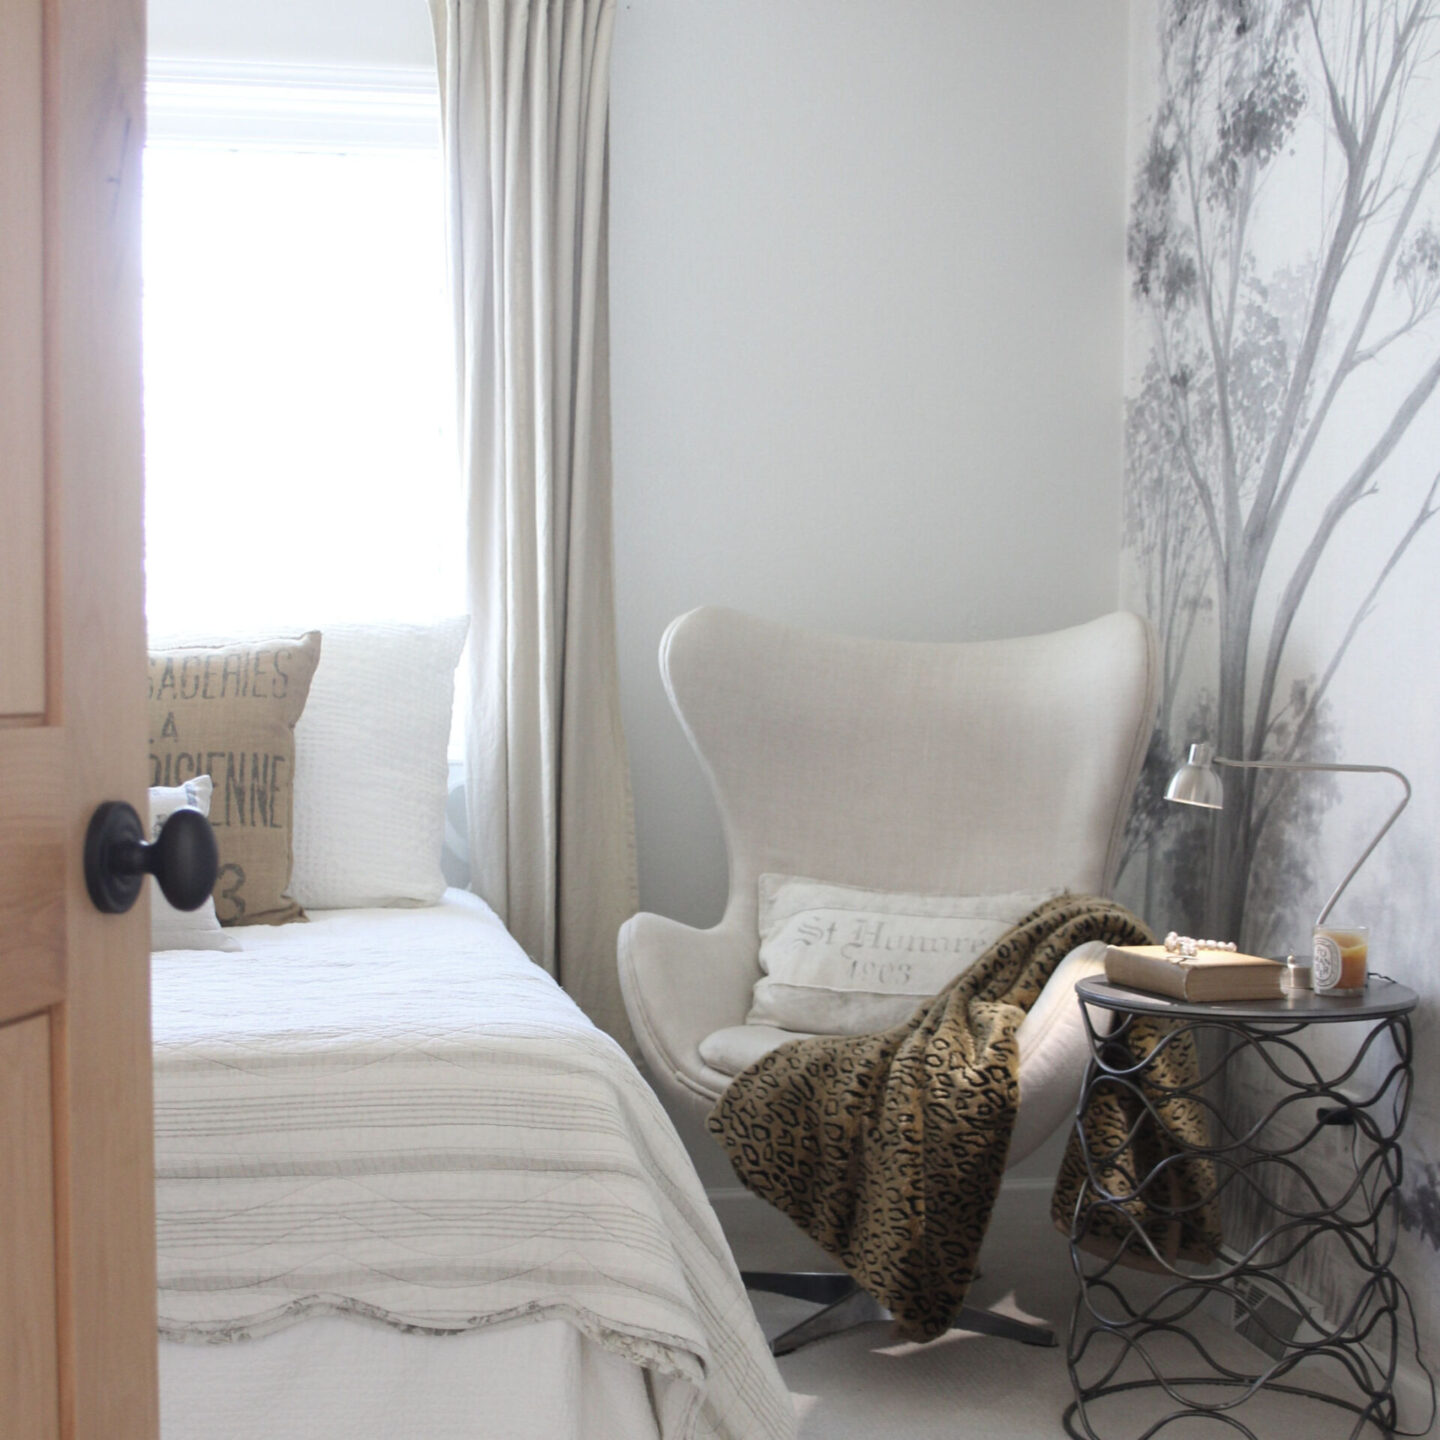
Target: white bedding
[394,1115]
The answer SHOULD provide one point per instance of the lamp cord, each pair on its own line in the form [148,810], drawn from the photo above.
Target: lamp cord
[1404,1290]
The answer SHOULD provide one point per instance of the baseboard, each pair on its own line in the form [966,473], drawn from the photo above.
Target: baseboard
[760,1237]
[1414,1396]
[720,1195]
[1414,1393]
[1028,1185]
[729,1194]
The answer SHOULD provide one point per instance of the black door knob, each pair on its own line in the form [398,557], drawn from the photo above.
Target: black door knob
[184,858]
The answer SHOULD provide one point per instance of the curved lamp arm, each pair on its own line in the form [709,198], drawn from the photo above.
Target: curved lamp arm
[1189,786]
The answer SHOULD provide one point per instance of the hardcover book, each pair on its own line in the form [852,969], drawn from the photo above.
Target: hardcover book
[1209,975]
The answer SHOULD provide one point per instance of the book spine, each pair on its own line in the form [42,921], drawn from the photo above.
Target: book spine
[1160,977]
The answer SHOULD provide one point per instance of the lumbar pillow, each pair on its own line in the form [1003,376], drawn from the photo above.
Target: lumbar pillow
[839,960]
[229,711]
[172,929]
[371,772]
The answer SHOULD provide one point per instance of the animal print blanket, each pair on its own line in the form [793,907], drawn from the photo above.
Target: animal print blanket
[888,1149]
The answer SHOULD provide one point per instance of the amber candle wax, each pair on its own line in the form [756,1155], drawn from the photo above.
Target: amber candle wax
[1341,958]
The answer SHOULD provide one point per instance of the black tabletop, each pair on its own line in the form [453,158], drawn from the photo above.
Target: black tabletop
[1379,999]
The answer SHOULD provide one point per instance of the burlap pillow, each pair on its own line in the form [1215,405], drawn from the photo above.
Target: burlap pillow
[229,711]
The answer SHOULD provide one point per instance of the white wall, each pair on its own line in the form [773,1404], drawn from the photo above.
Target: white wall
[867,299]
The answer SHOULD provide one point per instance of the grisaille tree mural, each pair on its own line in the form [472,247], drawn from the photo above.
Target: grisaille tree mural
[1284,248]
[1283,471]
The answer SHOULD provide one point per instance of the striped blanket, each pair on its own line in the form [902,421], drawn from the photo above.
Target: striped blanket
[395,1115]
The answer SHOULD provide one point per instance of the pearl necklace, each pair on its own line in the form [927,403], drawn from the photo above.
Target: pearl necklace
[1182,947]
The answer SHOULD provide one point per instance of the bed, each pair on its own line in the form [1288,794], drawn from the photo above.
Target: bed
[405,1188]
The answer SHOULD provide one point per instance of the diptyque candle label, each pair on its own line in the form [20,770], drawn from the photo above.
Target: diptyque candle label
[1341,958]
[1326,974]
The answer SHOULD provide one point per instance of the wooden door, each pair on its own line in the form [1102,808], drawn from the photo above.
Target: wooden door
[77,1268]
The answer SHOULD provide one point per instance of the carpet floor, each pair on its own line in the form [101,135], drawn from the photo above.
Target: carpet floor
[865,1385]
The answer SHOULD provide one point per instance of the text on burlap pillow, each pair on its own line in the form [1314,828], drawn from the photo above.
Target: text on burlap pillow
[229,711]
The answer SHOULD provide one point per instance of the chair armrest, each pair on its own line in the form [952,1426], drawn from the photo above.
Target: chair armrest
[679,985]
[1054,1050]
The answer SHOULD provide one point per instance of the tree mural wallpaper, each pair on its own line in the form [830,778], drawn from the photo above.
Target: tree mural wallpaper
[1283,469]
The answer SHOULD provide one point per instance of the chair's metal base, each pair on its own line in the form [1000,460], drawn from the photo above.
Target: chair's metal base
[847,1305]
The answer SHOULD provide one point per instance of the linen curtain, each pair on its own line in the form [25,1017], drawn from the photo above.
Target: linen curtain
[525,98]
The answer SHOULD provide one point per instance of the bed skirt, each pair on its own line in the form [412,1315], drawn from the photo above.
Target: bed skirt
[335,1378]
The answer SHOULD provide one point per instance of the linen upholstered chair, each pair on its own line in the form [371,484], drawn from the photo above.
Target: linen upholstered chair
[951,769]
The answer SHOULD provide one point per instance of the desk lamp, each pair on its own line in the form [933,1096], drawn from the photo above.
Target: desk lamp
[1196,783]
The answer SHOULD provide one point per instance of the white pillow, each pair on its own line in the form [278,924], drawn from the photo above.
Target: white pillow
[839,960]
[172,929]
[371,766]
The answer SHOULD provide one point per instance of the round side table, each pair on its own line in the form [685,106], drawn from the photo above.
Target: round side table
[1130,1336]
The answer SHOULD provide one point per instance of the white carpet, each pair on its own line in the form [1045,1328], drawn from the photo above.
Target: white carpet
[865,1384]
[862,1385]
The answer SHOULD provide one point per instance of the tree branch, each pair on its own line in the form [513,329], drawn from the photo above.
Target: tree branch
[1340,503]
[1423,516]
[1202,492]
[1372,352]
[1347,362]
[1219,363]
[1306,718]
[1192,465]
[1260,531]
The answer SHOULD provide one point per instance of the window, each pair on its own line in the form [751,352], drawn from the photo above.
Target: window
[299,397]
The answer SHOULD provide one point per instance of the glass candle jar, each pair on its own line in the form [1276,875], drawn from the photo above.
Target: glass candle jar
[1341,956]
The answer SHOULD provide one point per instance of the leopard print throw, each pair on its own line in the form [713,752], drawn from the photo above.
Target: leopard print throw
[888,1149]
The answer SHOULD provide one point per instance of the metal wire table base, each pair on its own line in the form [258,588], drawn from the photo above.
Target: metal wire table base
[1073,1411]
[1129,1337]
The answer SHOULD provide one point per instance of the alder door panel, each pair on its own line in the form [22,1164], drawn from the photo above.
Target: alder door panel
[32,871]
[22,476]
[27,1236]
[77,1260]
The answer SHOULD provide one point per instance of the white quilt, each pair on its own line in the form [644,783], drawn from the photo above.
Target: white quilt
[394,1114]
